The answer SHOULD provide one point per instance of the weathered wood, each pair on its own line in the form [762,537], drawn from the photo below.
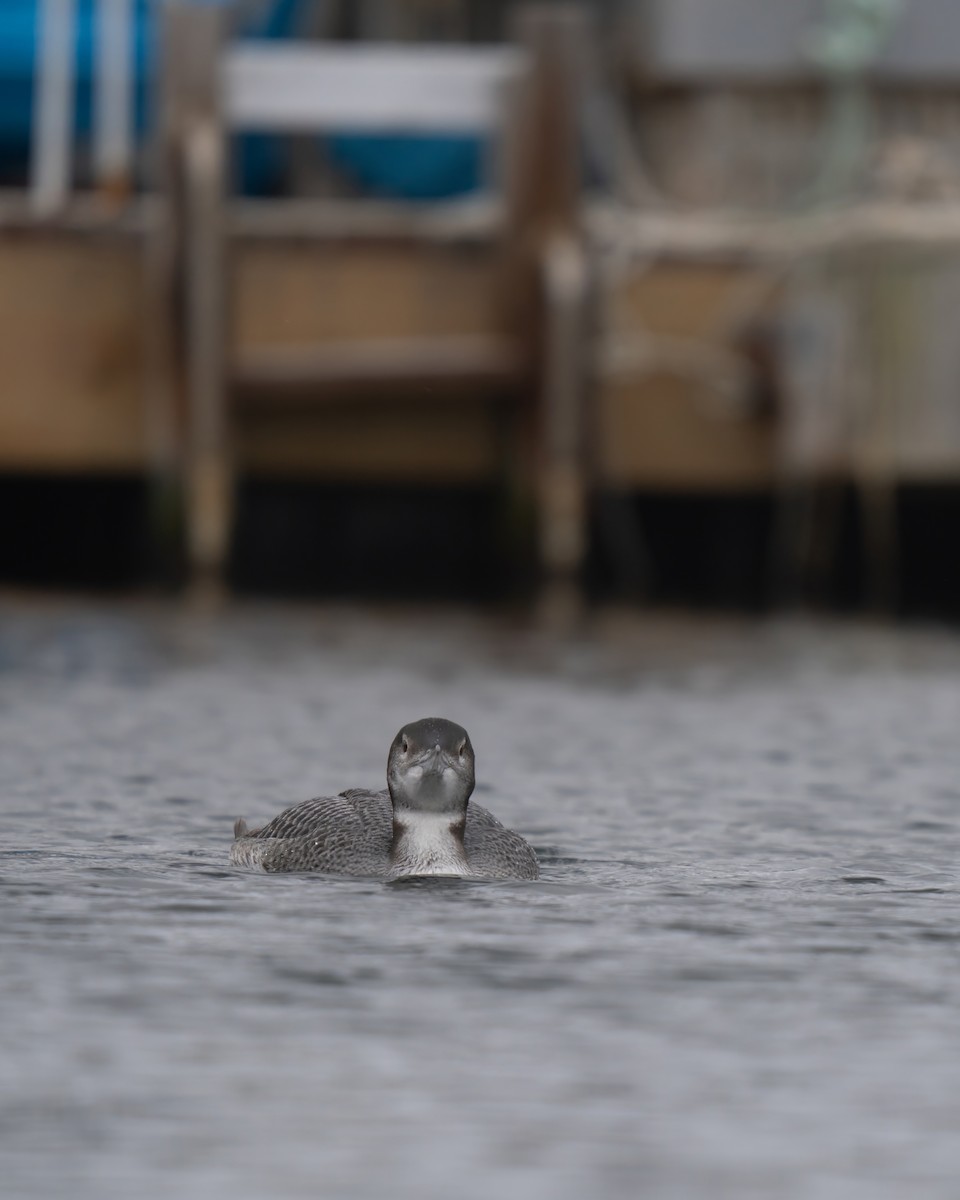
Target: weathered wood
[245,83]
[83,408]
[546,182]
[657,434]
[476,221]
[72,312]
[661,421]
[546,273]
[193,39]
[299,293]
[451,366]
[210,484]
[424,439]
[709,236]
[565,370]
[85,215]
[701,237]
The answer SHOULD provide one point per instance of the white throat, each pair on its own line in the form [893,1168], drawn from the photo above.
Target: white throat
[425,844]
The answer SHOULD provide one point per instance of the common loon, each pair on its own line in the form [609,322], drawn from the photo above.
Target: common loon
[421,825]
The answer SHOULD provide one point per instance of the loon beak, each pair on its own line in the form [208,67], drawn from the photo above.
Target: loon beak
[437,760]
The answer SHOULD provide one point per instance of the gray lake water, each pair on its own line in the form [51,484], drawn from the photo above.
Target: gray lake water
[738,977]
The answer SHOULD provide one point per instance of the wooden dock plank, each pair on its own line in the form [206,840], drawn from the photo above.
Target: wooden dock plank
[267,378]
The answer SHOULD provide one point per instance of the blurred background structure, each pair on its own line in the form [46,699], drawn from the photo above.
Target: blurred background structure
[651,298]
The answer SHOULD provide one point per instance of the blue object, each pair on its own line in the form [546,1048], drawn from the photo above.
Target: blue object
[259,157]
[19,28]
[411,166]
[402,166]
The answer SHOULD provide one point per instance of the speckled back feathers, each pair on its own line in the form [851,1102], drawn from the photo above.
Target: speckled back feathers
[351,834]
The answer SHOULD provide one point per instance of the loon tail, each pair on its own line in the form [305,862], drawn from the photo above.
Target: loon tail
[239,828]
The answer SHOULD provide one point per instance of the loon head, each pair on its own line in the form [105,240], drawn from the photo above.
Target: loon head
[430,769]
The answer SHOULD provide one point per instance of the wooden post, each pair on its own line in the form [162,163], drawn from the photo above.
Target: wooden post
[195,167]
[547,279]
[562,484]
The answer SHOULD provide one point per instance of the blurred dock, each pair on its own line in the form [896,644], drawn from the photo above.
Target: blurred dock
[672,269]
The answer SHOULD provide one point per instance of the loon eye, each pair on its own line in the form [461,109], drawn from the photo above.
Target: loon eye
[462,748]
[404,745]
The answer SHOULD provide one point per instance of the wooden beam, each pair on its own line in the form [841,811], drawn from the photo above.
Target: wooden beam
[477,221]
[268,378]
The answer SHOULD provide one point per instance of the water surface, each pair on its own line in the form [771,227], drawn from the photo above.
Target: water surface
[739,975]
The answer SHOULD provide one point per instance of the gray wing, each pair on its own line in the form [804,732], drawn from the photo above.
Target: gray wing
[495,852]
[348,834]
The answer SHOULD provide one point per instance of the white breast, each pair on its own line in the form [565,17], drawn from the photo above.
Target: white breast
[427,846]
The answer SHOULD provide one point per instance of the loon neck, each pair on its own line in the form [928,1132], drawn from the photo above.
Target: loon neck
[427,843]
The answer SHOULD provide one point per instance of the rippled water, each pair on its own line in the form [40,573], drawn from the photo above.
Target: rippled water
[739,975]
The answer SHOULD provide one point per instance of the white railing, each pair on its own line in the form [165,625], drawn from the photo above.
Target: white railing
[369,87]
[113,131]
[51,162]
[291,87]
